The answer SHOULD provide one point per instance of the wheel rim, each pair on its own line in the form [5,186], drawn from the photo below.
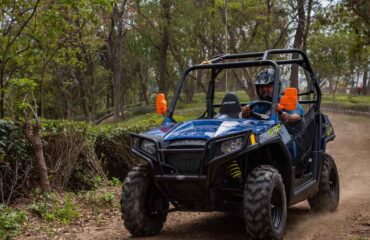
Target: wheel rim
[276,207]
[333,183]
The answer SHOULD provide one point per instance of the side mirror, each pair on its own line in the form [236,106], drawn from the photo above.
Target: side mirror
[161,104]
[289,100]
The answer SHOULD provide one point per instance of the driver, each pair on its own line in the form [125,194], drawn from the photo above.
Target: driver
[264,84]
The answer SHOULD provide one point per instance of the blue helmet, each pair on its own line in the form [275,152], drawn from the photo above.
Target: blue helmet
[266,77]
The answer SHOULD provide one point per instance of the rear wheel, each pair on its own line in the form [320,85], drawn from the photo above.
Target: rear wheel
[327,198]
[265,207]
[144,210]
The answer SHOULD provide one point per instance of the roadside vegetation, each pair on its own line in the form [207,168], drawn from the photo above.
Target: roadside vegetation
[349,101]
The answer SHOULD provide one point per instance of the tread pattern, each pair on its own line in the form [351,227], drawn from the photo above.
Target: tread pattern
[135,192]
[257,194]
[324,201]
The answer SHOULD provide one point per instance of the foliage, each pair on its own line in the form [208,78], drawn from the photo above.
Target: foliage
[98,199]
[12,142]
[114,182]
[65,126]
[50,208]
[68,47]
[16,163]
[69,147]
[11,221]
[69,151]
[21,96]
[112,144]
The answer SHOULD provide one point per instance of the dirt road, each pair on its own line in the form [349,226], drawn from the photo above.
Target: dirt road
[351,150]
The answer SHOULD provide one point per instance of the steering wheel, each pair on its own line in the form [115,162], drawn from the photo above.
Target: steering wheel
[264,105]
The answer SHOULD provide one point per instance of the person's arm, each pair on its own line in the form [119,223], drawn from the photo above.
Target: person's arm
[294,115]
[286,117]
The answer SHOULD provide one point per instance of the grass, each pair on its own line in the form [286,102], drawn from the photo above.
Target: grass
[11,221]
[347,100]
[49,213]
[50,208]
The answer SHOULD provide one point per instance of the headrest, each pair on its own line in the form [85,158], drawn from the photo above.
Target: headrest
[230,105]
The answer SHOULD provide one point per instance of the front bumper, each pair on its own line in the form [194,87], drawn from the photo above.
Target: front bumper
[195,185]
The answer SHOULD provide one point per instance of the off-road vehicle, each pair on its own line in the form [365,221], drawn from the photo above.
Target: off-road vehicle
[280,164]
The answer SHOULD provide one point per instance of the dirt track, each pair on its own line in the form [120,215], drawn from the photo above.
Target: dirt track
[351,150]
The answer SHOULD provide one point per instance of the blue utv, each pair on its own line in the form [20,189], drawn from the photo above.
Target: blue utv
[279,164]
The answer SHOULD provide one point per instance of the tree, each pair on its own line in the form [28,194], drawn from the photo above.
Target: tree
[15,17]
[359,21]
[114,39]
[22,92]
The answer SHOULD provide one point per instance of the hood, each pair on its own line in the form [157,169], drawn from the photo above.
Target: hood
[209,128]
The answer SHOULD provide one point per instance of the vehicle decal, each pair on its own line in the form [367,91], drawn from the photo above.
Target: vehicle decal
[329,131]
[274,130]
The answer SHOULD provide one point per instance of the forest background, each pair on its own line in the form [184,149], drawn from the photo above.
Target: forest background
[92,57]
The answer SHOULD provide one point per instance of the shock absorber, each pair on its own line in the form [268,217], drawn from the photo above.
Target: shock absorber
[234,171]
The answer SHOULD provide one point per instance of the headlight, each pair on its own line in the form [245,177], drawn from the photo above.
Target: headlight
[148,146]
[232,145]
[135,142]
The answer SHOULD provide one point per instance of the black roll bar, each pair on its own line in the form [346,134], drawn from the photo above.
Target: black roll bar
[260,59]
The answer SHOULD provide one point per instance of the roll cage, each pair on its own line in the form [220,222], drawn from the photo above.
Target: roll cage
[217,64]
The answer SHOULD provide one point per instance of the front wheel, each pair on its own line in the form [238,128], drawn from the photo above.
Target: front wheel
[265,206]
[144,210]
[327,198]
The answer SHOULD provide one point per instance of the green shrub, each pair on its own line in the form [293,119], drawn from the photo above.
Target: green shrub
[98,199]
[98,181]
[114,182]
[112,144]
[11,221]
[65,126]
[48,207]
[70,155]
[16,163]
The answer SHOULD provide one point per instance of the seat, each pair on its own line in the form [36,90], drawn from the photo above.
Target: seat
[230,105]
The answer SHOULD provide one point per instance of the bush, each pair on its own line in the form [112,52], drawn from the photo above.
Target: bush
[98,199]
[10,221]
[16,163]
[70,155]
[114,182]
[112,144]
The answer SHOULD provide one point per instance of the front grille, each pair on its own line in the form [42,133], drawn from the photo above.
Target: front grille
[185,162]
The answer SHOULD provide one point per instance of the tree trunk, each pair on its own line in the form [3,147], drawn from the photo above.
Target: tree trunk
[2,97]
[298,40]
[165,38]
[115,51]
[67,109]
[38,150]
[35,140]
[335,87]
[143,74]
[364,81]
[307,25]
[42,92]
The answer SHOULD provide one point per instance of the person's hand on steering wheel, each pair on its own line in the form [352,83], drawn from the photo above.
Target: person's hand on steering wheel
[249,112]
[246,112]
